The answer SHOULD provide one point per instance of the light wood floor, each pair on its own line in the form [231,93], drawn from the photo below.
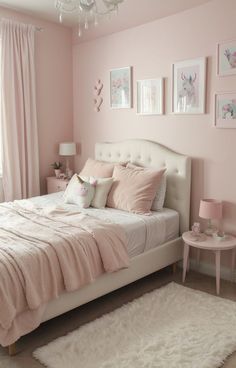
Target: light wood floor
[68,322]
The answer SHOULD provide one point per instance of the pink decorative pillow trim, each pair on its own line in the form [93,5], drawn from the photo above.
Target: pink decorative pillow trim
[133,189]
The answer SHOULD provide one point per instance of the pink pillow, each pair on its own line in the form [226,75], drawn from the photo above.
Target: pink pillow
[133,190]
[98,169]
[159,198]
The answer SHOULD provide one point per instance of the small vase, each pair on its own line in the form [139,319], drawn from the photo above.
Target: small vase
[57,173]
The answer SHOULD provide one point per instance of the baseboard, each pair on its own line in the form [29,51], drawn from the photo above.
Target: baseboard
[209,269]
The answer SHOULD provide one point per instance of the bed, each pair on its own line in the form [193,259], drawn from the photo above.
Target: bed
[167,250]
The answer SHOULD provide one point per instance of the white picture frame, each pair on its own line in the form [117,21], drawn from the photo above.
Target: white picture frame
[121,88]
[189,86]
[225,110]
[226,58]
[150,96]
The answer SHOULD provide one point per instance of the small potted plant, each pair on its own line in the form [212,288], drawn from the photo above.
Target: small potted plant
[57,168]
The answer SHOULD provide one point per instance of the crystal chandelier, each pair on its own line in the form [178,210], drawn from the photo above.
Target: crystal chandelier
[87,10]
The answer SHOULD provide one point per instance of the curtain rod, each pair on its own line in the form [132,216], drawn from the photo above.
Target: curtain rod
[39,29]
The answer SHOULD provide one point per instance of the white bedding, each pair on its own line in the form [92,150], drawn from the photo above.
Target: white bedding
[143,232]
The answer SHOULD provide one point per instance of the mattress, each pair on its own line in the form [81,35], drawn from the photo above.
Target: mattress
[143,232]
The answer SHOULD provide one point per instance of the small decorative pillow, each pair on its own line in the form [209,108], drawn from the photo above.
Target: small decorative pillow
[79,192]
[103,186]
[158,202]
[133,190]
[159,199]
[98,169]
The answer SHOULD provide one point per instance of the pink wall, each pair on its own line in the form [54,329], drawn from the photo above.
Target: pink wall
[151,49]
[54,88]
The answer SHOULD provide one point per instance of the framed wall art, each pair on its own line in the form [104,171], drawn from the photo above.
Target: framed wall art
[226,58]
[189,86]
[121,88]
[225,110]
[150,96]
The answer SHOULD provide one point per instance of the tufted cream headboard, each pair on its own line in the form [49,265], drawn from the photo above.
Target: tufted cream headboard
[151,154]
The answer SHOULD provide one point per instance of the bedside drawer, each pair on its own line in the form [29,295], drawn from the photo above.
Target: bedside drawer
[56,185]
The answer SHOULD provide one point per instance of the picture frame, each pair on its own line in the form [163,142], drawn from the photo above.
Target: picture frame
[150,96]
[189,86]
[225,110]
[226,58]
[121,88]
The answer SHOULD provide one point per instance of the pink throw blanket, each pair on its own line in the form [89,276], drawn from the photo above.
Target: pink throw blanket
[45,252]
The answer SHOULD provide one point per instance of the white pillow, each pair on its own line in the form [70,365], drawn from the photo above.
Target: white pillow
[102,189]
[159,199]
[79,192]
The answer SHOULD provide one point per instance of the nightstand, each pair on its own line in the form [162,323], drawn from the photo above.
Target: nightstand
[56,185]
[209,243]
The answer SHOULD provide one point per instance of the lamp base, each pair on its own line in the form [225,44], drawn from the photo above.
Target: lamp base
[210,231]
[69,172]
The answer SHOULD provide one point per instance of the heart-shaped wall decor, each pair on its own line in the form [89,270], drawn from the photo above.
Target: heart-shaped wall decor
[97,98]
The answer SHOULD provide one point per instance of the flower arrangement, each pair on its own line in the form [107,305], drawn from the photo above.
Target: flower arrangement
[56,165]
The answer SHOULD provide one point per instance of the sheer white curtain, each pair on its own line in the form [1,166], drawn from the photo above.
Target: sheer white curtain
[20,161]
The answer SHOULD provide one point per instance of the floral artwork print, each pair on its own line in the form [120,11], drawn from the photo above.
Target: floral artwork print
[225,107]
[227,58]
[120,88]
[231,57]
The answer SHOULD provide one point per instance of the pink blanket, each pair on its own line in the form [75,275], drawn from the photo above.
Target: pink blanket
[45,252]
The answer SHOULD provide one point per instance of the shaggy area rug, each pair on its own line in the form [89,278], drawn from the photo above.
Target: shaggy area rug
[171,327]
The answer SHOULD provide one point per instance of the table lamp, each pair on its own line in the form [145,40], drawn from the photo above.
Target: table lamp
[67,149]
[210,209]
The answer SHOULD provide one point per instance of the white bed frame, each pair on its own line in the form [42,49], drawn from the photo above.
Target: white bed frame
[178,169]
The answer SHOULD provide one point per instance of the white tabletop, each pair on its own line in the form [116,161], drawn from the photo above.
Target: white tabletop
[208,242]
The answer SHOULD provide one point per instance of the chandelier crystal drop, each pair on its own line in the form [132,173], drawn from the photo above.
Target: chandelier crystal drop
[88,11]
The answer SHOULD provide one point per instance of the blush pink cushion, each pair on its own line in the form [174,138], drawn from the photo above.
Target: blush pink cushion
[133,189]
[159,198]
[98,169]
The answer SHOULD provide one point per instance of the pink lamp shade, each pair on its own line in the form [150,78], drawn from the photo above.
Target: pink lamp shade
[210,209]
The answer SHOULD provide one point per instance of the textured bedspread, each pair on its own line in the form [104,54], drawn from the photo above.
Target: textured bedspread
[44,252]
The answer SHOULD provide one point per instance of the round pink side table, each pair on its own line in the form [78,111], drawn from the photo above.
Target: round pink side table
[209,243]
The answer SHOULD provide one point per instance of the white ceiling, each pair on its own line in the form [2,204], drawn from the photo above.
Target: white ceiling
[131,13]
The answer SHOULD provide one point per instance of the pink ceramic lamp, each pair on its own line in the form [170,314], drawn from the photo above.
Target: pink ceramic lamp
[210,209]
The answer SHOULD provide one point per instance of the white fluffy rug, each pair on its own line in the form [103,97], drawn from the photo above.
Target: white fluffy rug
[171,327]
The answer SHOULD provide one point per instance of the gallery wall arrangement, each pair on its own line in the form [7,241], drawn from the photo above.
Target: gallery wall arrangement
[188,88]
